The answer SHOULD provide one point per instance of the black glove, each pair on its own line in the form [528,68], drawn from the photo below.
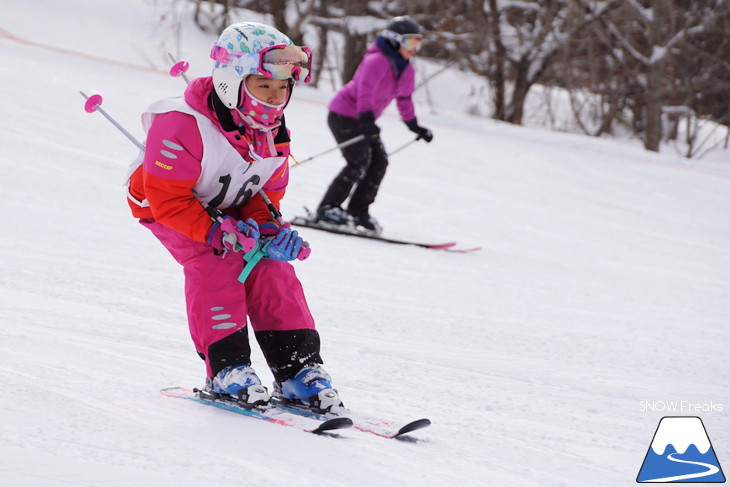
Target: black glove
[423,132]
[367,125]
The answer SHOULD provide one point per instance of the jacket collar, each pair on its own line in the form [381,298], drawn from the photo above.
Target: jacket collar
[399,62]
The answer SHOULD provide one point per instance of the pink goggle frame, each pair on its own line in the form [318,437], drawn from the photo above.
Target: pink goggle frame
[283,61]
[280,61]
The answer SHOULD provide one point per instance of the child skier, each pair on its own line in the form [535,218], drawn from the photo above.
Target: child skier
[384,74]
[214,151]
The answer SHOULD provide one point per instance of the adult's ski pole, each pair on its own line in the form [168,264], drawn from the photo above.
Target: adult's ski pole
[403,146]
[346,143]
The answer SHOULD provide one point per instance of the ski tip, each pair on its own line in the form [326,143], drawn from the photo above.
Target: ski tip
[413,426]
[464,251]
[175,391]
[333,424]
[446,245]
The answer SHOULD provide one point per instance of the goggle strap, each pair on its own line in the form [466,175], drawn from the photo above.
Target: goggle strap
[402,39]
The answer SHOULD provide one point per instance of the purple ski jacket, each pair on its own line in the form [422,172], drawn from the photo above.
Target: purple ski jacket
[374,86]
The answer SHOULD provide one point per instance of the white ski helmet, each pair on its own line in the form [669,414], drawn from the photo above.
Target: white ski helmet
[247,48]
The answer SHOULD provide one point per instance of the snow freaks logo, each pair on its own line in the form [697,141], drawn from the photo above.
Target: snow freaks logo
[680,452]
[680,407]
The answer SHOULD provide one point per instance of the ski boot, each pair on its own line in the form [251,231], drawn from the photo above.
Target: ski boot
[368,223]
[333,216]
[242,383]
[311,387]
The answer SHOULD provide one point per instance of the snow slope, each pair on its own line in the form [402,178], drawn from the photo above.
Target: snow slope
[603,282]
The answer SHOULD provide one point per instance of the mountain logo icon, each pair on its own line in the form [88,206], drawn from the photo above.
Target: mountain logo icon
[680,452]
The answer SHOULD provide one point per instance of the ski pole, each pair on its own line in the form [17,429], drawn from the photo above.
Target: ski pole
[346,143]
[254,256]
[403,146]
[93,104]
[306,250]
[179,68]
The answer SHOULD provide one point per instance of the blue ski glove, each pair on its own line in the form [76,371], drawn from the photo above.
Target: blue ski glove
[269,229]
[286,245]
[235,235]
[423,132]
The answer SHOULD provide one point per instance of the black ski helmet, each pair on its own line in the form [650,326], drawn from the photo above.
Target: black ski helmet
[404,25]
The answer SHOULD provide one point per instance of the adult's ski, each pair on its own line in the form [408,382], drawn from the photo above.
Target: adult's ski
[271,414]
[308,222]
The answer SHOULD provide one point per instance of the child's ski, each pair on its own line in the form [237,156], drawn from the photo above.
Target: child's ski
[271,414]
[362,422]
[300,417]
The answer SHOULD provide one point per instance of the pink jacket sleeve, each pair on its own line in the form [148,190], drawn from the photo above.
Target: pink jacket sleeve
[171,169]
[406,85]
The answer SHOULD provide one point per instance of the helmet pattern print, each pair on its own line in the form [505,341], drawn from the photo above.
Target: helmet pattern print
[247,48]
[250,48]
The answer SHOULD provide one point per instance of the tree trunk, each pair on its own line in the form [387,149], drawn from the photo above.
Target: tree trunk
[516,108]
[318,67]
[277,10]
[355,46]
[355,43]
[499,62]
[653,109]
[653,115]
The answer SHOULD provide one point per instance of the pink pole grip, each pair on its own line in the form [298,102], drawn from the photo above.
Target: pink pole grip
[248,244]
[304,252]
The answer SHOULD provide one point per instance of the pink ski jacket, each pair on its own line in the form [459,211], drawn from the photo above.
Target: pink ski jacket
[374,86]
[188,156]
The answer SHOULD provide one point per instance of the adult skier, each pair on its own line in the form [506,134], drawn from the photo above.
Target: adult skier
[384,74]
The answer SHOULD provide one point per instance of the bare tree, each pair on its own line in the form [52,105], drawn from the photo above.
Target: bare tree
[215,15]
[646,37]
[651,66]
[512,43]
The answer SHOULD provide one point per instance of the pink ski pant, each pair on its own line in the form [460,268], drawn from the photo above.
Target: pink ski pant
[218,304]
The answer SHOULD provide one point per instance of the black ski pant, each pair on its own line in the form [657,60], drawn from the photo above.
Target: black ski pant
[365,169]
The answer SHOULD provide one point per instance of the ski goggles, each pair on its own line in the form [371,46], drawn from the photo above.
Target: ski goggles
[412,42]
[283,61]
[280,61]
